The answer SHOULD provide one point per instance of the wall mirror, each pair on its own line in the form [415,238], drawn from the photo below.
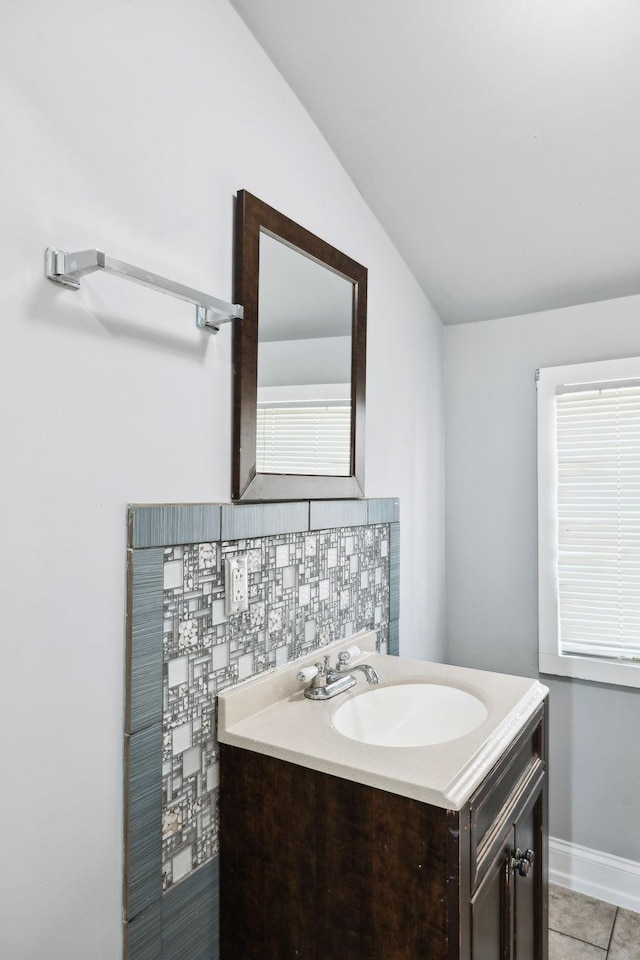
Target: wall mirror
[299,360]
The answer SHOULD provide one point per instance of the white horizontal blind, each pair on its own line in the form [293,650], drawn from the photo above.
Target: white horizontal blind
[304,438]
[598,501]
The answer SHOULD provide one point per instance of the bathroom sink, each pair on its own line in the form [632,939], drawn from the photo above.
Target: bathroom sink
[457,722]
[409,715]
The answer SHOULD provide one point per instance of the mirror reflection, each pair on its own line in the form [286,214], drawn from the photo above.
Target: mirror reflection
[303,423]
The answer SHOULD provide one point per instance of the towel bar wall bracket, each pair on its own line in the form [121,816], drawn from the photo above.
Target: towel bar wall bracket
[67,270]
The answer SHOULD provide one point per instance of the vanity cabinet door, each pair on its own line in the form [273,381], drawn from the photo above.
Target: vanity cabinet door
[508,816]
[530,926]
[492,908]
[508,915]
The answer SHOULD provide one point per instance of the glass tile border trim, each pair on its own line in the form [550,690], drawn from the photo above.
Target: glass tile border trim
[324,514]
[191,916]
[385,510]
[142,936]
[249,520]
[143,815]
[183,925]
[145,584]
[394,639]
[394,571]
[166,525]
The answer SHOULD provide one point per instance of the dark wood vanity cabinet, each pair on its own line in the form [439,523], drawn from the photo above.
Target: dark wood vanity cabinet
[315,867]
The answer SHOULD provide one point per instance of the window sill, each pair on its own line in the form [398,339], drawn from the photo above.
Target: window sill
[587,668]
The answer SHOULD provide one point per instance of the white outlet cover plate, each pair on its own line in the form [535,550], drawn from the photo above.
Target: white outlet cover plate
[236,585]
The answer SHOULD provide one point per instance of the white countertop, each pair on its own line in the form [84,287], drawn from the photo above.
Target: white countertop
[271,715]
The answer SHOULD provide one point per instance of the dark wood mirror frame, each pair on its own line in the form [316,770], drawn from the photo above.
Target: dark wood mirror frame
[254,217]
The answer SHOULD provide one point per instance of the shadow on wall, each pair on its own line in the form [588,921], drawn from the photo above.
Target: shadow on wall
[87,311]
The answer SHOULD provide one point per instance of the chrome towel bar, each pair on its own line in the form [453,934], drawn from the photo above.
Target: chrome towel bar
[67,269]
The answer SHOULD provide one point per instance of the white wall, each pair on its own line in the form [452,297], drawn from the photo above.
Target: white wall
[310,361]
[491,571]
[130,126]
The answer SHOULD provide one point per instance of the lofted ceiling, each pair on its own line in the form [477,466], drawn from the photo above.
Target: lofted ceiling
[497,141]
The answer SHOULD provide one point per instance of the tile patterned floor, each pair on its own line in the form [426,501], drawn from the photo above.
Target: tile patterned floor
[581,928]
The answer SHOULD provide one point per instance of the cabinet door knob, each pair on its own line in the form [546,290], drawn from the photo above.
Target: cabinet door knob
[522,862]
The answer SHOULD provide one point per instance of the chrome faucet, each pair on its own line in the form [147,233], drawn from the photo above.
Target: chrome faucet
[328,681]
[368,670]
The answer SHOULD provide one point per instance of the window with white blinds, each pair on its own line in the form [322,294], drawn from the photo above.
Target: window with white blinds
[305,438]
[589,516]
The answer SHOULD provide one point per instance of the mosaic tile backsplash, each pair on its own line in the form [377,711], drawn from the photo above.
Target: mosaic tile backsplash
[305,590]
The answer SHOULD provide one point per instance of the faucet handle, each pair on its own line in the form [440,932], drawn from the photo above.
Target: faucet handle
[345,655]
[307,674]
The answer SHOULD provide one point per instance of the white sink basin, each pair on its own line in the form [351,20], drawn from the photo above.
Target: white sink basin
[409,715]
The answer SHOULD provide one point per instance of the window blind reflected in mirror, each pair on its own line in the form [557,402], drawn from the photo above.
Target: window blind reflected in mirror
[304,438]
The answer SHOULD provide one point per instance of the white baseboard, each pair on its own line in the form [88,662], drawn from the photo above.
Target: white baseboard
[599,875]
